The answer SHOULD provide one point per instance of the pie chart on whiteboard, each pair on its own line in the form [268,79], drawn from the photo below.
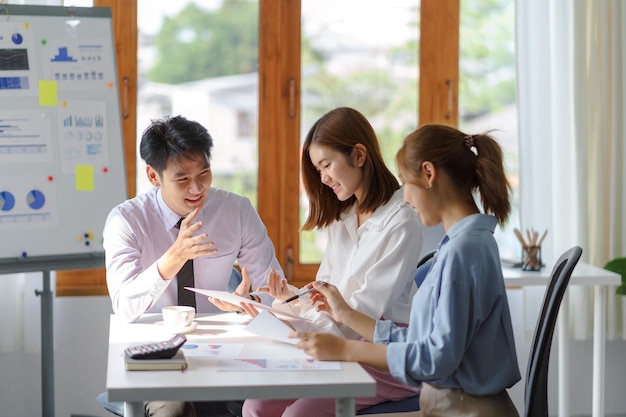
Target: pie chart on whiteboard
[35,199]
[7,201]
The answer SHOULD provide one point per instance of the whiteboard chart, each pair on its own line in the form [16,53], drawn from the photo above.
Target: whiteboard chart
[61,146]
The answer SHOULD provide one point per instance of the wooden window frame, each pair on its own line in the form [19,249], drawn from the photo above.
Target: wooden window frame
[279,115]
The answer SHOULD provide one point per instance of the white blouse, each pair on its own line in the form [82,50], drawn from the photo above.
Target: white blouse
[373,265]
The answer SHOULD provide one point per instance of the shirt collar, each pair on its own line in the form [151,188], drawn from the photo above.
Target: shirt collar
[472,222]
[170,217]
[381,215]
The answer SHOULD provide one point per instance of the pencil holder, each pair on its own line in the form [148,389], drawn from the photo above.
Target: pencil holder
[531,258]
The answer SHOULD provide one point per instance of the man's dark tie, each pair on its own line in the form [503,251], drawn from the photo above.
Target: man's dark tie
[185,279]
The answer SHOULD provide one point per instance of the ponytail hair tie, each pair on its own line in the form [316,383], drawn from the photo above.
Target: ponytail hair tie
[469,143]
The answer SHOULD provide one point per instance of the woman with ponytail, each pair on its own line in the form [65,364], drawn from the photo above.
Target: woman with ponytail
[459,342]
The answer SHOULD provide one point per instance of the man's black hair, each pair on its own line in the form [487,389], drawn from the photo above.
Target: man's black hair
[172,138]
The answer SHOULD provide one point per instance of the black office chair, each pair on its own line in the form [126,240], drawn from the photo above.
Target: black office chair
[408,406]
[423,266]
[536,388]
[426,257]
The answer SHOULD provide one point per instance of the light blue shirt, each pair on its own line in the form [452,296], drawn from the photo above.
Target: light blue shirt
[460,333]
[140,230]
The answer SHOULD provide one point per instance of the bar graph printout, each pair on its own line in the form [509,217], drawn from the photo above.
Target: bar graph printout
[83,134]
[78,64]
[25,137]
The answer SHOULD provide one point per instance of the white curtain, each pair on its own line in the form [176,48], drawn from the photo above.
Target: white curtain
[11,312]
[20,312]
[571,97]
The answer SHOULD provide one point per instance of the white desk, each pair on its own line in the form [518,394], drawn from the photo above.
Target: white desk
[583,274]
[201,382]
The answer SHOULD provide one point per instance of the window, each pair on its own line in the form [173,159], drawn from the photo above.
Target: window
[277,122]
[346,62]
[487,98]
[245,125]
[293,73]
[199,59]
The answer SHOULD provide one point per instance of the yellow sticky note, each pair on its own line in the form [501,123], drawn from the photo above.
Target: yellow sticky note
[84,178]
[48,93]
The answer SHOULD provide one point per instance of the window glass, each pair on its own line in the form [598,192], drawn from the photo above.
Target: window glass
[199,59]
[360,54]
[487,98]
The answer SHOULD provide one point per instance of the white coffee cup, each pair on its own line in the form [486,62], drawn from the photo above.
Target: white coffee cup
[178,316]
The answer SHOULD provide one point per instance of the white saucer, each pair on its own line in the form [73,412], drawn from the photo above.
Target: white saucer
[185,329]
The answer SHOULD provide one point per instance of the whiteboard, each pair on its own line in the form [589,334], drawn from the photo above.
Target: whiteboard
[61,145]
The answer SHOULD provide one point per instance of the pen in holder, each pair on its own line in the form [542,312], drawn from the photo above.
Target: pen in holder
[531,258]
[531,249]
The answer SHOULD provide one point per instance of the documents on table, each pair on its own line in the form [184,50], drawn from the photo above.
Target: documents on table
[212,350]
[237,300]
[268,325]
[290,364]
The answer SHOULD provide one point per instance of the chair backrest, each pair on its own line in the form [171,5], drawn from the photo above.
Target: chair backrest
[536,389]
[426,257]
[423,266]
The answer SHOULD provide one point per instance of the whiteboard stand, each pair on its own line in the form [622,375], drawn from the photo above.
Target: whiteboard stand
[47,346]
[45,265]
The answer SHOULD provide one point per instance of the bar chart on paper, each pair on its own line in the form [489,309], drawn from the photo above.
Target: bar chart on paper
[25,134]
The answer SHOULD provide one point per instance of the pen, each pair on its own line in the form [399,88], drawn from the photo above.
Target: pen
[295,297]
[542,237]
[519,236]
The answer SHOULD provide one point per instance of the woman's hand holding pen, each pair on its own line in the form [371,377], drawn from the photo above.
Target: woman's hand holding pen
[327,347]
[327,297]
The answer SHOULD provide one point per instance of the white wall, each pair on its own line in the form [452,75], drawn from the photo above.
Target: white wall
[81,336]
[81,333]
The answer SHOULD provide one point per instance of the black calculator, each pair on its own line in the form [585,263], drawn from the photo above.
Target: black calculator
[157,350]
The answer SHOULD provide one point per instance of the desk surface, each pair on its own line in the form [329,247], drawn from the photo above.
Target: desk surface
[201,382]
[583,274]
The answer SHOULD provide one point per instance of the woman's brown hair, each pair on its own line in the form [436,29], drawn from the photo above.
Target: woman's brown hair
[473,162]
[341,129]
